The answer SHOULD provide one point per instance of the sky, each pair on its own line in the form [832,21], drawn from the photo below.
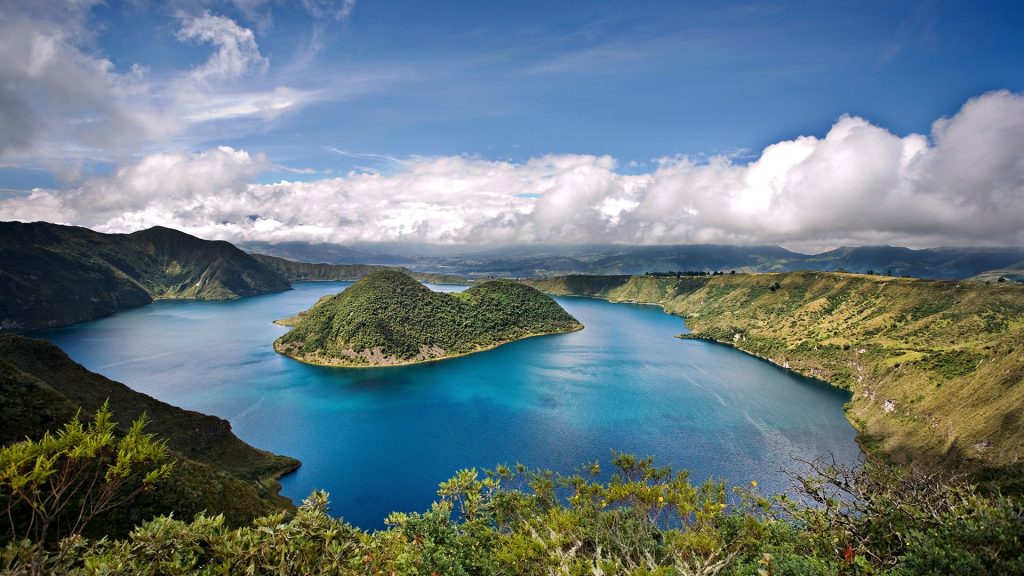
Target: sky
[804,124]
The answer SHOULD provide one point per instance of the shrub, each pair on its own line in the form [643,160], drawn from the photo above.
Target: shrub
[53,488]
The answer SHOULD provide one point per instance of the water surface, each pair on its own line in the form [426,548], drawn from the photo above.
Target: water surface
[381,439]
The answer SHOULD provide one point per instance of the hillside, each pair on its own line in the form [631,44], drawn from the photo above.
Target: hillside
[54,275]
[41,389]
[936,367]
[1004,275]
[301,271]
[388,318]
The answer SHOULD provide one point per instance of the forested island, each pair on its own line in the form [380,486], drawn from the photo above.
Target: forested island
[388,318]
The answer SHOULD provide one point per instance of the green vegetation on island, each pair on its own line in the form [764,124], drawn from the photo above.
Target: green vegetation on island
[387,318]
[53,275]
[41,390]
[301,271]
[936,367]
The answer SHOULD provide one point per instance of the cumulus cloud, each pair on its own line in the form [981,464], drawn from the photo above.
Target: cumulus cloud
[859,184]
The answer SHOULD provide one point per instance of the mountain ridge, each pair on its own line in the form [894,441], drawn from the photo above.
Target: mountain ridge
[538,261]
[305,271]
[53,275]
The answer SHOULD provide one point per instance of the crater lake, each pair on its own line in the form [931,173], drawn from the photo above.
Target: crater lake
[381,439]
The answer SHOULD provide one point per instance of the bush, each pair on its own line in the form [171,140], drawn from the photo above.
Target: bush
[639,520]
[53,488]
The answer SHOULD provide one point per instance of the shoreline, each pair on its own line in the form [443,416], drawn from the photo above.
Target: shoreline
[415,362]
[272,481]
[468,283]
[692,336]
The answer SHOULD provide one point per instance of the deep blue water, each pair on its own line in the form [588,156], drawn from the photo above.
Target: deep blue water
[381,440]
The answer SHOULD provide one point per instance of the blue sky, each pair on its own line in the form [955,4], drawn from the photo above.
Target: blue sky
[320,88]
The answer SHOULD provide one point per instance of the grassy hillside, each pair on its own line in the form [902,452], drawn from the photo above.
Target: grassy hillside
[41,388]
[936,367]
[299,271]
[388,318]
[55,275]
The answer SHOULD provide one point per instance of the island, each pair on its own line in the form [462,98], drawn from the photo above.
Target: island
[387,318]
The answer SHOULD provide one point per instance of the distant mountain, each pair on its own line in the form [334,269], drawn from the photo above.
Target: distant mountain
[301,271]
[387,318]
[41,389]
[322,252]
[539,260]
[1001,275]
[935,263]
[536,261]
[53,275]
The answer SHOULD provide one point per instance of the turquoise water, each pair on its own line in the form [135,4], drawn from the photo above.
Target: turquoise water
[381,440]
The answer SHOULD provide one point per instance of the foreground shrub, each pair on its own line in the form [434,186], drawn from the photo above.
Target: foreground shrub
[639,519]
[53,488]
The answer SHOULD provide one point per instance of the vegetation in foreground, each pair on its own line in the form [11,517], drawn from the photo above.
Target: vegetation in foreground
[936,367]
[41,389]
[639,520]
[388,318]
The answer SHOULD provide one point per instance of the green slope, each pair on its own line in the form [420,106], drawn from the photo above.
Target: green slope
[388,318]
[1015,274]
[936,367]
[300,271]
[52,275]
[41,388]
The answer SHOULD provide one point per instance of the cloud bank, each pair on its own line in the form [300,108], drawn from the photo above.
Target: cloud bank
[859,184]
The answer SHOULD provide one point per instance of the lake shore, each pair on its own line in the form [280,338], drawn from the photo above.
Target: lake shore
[395,362]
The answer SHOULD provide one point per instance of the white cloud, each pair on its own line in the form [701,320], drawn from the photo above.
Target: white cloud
[237,52]
[859,184]
[62,103]
[337,9]
[53,93]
